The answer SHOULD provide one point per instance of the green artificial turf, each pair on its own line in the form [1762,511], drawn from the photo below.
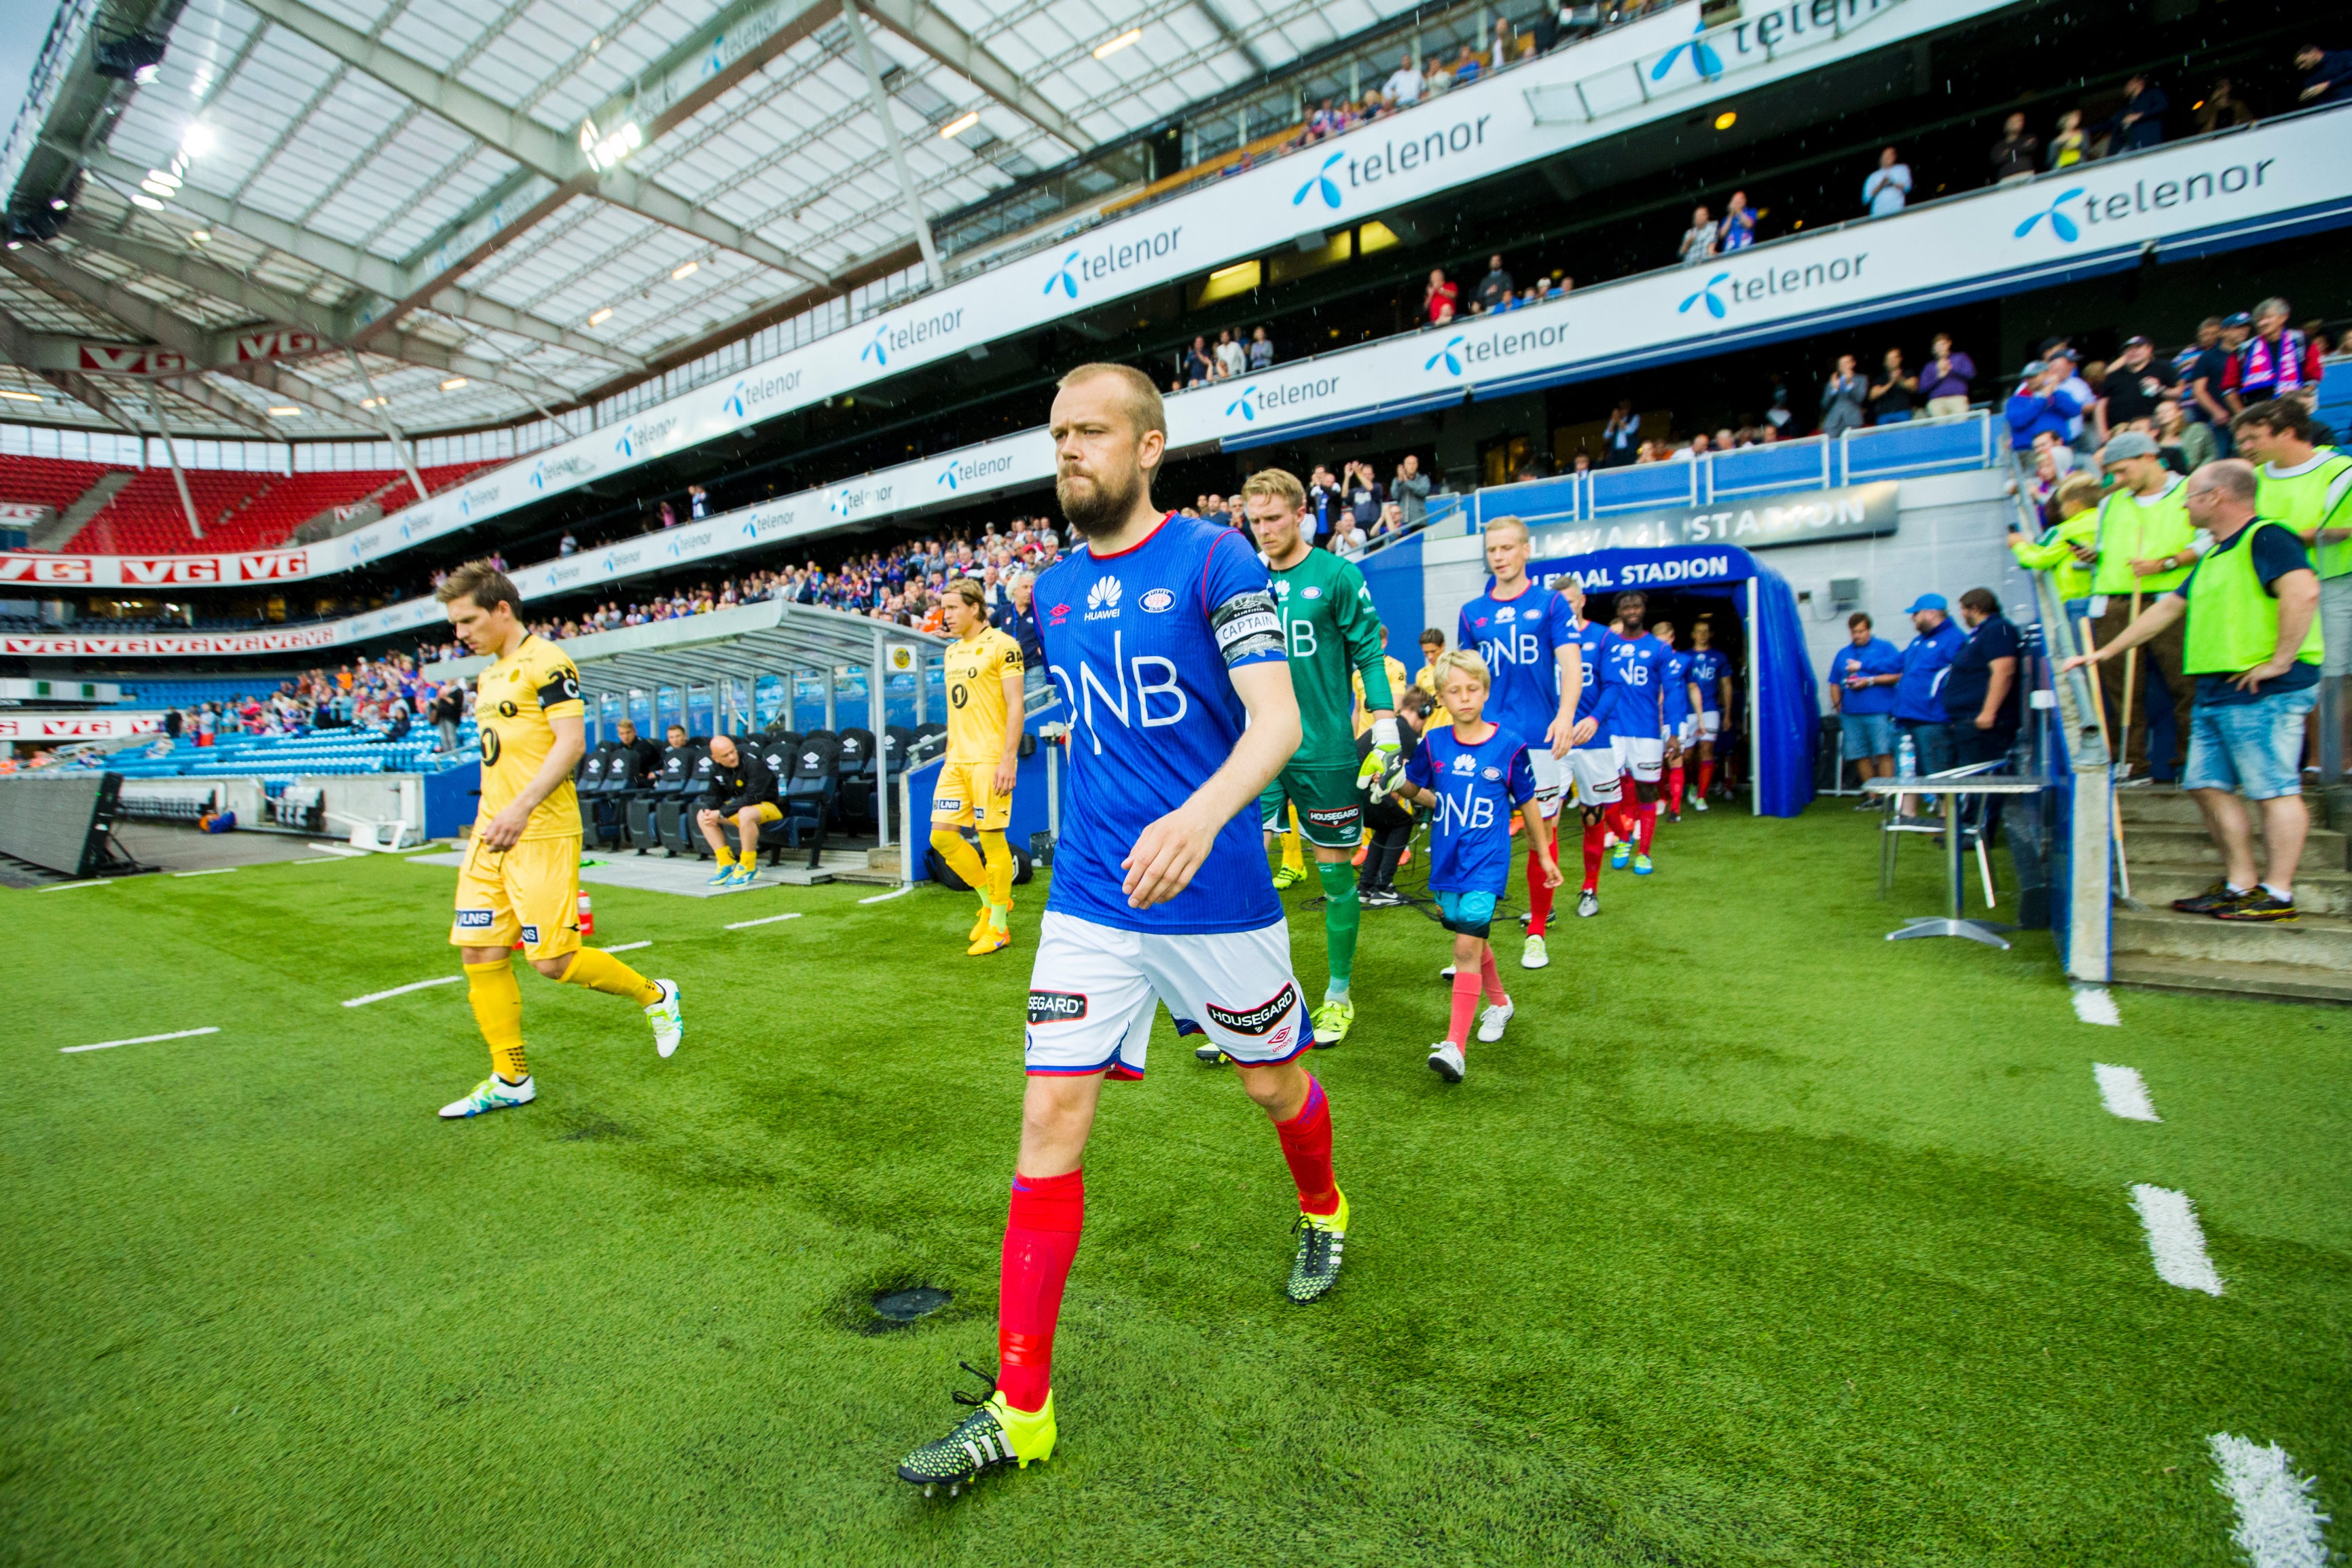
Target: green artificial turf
[1758,1241]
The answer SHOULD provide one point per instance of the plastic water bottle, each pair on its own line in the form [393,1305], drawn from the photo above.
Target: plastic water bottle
[1906,759]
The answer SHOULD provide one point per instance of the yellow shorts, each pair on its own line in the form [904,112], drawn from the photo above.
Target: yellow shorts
[769,813]
[529,893]
[966,797]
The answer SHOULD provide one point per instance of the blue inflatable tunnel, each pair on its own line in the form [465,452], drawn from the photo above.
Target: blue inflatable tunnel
[1776,682]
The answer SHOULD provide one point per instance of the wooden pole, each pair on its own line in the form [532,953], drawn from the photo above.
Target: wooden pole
[2099,707]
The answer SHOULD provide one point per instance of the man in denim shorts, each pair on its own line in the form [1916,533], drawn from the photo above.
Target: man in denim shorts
[2255,649]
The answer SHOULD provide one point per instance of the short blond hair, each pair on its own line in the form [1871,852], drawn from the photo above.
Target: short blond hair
[1138,398]
[968,590]
[483,582]
[1508,523]
[1278,485]
[1463,660]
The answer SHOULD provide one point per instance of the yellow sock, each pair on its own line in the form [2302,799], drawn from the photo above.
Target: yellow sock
[726,857]
[497,1007]
[1292,859]
[961,859]
[602,972]
[1000,878]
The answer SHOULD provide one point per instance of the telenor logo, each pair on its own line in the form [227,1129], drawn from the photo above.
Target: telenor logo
[734,403]
[1451,355]
[874,350]
[2060,223]
[1242,404]
[1321,182]
[1705,292]
[1068,283]
[1703,59]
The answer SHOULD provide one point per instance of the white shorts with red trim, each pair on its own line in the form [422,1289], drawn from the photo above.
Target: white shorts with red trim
[1643,756]
[1092,990]
[1595,770]
[1551,779]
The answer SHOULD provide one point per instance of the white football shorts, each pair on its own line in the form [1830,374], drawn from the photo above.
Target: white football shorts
[1595,770]
[1709,723]
[1093,987]
[1643,756]
[1687,730]
[1551,778]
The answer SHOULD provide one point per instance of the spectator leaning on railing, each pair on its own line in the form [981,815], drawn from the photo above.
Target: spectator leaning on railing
[2253,643]
[1699,239]
[1888,185]
[1945,382]
[2146,545]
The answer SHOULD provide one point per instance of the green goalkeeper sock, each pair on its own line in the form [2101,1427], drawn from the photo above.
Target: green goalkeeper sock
[1341,914]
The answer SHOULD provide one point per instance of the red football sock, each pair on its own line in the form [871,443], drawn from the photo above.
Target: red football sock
[1493,977]
[1595,851]
[1466,1005]
[1538,895]
[1706,776]
[1306,1146]
[1041,1237]
[1646,813]
[1675,788]
[1621,818]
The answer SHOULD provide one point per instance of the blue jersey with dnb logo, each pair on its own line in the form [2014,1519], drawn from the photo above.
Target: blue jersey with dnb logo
[1708,665]
[1632,673]
[1591,641]
[1675,672]
[1478,786]
[1139,645]
[1521,639]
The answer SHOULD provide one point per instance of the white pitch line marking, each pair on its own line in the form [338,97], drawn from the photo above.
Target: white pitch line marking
[2125,1092]
[2277,1526]
[61,886]
[216,871]
[139,1040]
[344,850]
[2175,1241]
[2095,1004]
[403,991]
[763,920]
[319,860]
[626,947]
[894,893]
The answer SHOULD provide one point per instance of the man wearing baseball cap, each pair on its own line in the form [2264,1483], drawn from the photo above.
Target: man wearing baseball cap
[2145,545]
[2134,384]
[1918,705]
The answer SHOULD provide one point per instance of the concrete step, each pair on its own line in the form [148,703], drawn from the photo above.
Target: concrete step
[2289,982]
[2318,941]
[2316,892]
[2166,844]
[2156,803]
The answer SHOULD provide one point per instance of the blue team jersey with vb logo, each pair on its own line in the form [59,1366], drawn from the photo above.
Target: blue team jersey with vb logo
[1478,787]
[1592,639]
[1632,675]
[1708,665]
[1139,645]
[1521,639]
[1676,676]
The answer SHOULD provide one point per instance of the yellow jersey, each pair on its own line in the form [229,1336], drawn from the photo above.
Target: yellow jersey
[975,669]
[514,699]
[1396,689]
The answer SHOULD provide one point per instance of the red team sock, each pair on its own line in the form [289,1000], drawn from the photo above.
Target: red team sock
[1307,1146]
[1596,849]
[1493,977]
[1466,1005]
[1675,788]
[1621,818]
[1041,1237]
[1539,897]
[1647,814]
[1706,776]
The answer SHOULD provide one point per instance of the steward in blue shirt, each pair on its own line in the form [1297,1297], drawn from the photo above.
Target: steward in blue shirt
[1918,705]
[1862,693]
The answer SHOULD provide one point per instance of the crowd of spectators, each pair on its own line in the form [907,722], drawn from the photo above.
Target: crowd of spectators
[387,696]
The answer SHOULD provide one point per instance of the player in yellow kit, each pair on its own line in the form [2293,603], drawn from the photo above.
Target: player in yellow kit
[521,881]
[975,788]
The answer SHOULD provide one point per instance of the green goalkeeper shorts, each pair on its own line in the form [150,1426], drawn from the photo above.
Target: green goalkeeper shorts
[1330,807]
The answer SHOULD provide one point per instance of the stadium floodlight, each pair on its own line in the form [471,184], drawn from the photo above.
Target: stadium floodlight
[597,317]
[1726,119]
[139,199]
[197,139]
[680,274]
[56,204]
[604,152]
[12,395]
[156,188]
[1132,36]
[374,402]
[961,124]
[200,237]
[453,383]
[287,413]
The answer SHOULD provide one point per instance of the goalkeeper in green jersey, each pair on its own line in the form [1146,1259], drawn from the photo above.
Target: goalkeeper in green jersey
[1332,633]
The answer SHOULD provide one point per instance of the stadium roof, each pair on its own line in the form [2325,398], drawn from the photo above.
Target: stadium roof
[482,213]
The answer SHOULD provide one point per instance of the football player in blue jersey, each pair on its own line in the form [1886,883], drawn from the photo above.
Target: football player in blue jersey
[1710,671]
[1632,682]
[1592,756]
[1680,715]
[1526,636]
[1162,635]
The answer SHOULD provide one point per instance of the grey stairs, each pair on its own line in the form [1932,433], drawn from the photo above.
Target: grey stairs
[53,534]
[2171,856]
